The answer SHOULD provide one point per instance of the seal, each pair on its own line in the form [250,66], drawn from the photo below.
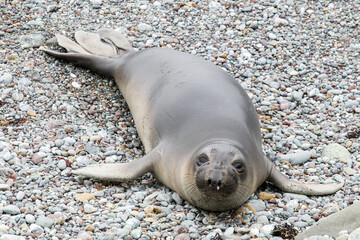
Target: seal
[199,128]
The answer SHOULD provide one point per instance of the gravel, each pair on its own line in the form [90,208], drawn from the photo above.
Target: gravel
[298,61]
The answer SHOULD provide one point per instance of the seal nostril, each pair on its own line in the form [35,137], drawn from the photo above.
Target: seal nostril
[209,182]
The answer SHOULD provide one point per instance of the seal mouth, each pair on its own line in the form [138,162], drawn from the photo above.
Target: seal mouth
[210,179]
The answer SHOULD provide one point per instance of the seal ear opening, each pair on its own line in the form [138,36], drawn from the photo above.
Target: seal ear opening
[313,189]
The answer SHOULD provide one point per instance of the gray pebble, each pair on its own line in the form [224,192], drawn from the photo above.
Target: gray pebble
[272,35]
[17,96]
[177,198]
[5,79]
[29,218]
[133,223]
[258,205]
[35,228]
[334,150]
[314,92]
[267,230]
[83,161]
[61,164]
[142,27]
[11,237]
[297,157]
[59,142]
[297,95]
[11,209]
[44,222]
[31,40]
[20,195]
[354,235]
[299,197]
[88,208]
[136,233]
[351,103]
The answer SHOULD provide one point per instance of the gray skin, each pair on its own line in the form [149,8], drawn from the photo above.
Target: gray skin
[199,128]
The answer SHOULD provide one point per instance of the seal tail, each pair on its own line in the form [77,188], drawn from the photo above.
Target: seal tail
[313,189]
[95,51]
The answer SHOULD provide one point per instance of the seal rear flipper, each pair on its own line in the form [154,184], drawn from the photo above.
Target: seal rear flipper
[115,38]
[120,172]
[70,45]
[93,43]
[287,185]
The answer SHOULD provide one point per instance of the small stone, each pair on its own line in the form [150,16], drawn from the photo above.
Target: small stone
[61,164]
[36,228]
[17,96]
[31,40]
[84,196]
[133,223]
[20,195]
[11,237]
[349,171]
[334,151]
[293,72]
[59,142]
[177,198]
[266,195]
[95,138]
[299,197]
[297,157]
[29,218]
[280,21]
[152,209]
[354,235]
[83,235]
[45,222]
[36,159]
[89,228]
[88,208]
[31,113]
[351,103]
[262,220]
[5,79]
[267,230]
[136,233]
[142,27]
[258,205]
[272,36]
[314,92]
[297,95]
[242,230]
[183,236]
[261,61]
[284,104]
[11,209]
[4,187]
[83,161]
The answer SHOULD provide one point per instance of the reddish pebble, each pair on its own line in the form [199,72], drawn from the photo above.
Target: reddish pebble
[36,159]
[182,236]
[180,229]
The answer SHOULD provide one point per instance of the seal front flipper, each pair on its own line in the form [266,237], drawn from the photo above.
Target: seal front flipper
[287,185]
[121,172]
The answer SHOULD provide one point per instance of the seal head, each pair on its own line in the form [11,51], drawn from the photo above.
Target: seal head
[222,176]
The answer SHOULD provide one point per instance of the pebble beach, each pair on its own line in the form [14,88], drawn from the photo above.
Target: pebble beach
[299,61]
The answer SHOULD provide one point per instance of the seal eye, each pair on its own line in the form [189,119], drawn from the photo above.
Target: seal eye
[202,159]
[238,166]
